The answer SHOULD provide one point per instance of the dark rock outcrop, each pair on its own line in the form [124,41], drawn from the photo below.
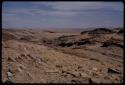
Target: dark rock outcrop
[101,31]
[65,44]
[49,31]
[27,38]
[121,31]
[107,44]
[8,36]
[78,43]
[113,71]
[98,31]
[84,32]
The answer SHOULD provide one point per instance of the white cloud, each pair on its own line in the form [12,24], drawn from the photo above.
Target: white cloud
[18,11]
[82,5]
[56,13]
[64,8]
[35,12]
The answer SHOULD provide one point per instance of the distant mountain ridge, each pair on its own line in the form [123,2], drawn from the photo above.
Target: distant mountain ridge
[103,30]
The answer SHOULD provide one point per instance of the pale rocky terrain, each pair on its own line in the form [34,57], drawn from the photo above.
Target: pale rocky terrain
[42,56]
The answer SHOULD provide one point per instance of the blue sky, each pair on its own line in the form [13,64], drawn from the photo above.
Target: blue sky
[62,14]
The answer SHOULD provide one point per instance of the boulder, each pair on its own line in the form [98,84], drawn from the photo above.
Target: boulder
[9,74]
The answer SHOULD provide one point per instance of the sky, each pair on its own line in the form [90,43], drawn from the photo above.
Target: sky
[61,14]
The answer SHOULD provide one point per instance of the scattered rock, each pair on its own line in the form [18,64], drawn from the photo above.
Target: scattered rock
[10,77]
[38,60]
[95,74]
[29,74]
[106,77]
[95,69]
[75,81]
[19,69]
[58,66]
[110,70]
[106,44]
[9,74]
[90,81]
[79,67]
[10,59]
[43,81]
[22,66]
[8,81]
[74,74]
[95,81]
[23,55]
[94,59]
[83,75]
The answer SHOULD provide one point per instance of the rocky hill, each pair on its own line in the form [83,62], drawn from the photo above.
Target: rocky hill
[37,56]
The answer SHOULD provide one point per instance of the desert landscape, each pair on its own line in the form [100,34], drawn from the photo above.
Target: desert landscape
[51,56]
[62,42]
